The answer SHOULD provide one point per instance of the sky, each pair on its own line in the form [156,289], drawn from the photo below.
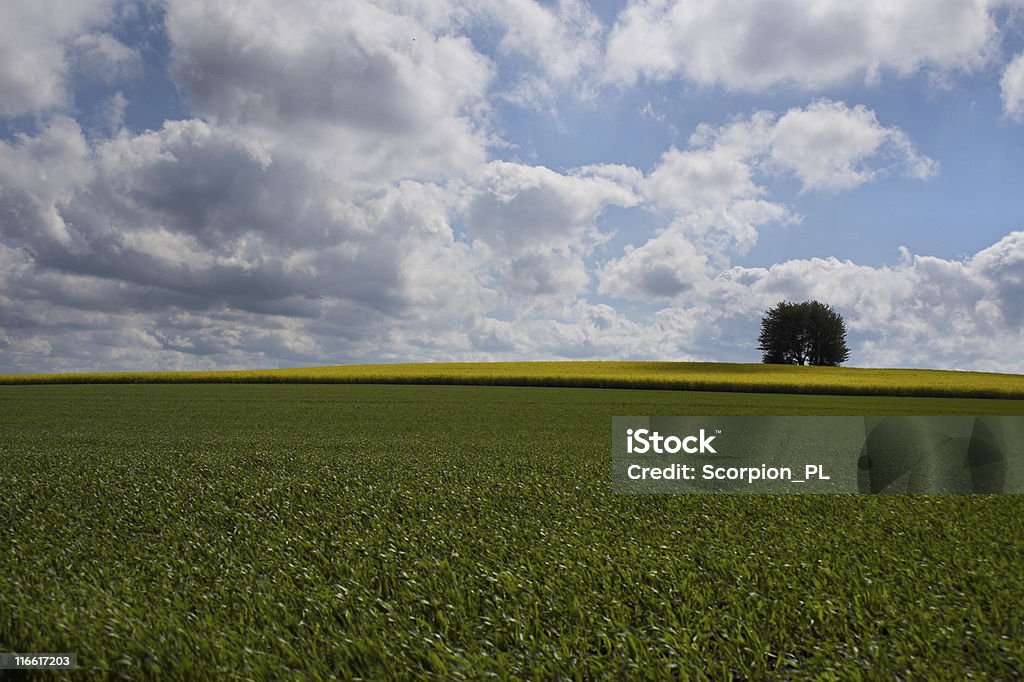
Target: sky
[194,185]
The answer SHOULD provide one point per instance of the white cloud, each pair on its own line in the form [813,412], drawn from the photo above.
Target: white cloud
[561,41]
[717,189]
[712,189]
[195,216]
[1012,87]
[268,262]
[827,145]
[350,64]
[201,222]
[38,175]
[304,199]
[535,225]
[699,178]
[210,241]
[519,208]
[666,266]
[355,85]
[34,45]
[330,198]
[924,312]
[747,45]
[104,58]
[112,112]
[540,48]
[1003,265]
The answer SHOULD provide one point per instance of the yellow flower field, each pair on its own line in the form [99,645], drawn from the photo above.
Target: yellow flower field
[600,374]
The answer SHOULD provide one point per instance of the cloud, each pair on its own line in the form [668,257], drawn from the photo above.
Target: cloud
[1002,264]
[535,225]
[745,45]
[350,64]
[332,196]
[704,177]
[827,144]
[112,111]
[1012,88]
[39,174]
[664,267]
[35,39]
[208,241]
[282,221]
[197,217]
[717,190]
[560,43]
[355,85]
[204,223]
[104,58]
[924,312]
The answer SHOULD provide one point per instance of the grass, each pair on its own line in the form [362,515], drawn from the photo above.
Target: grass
[455,532]
[598,374]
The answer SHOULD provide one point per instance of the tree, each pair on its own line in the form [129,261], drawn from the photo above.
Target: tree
[808,333]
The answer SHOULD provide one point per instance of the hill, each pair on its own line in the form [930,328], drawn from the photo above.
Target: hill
[753,378]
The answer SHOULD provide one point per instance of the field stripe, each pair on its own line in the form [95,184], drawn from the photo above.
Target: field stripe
[747,378]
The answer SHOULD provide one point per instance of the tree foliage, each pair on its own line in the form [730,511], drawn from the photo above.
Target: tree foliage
[808,333]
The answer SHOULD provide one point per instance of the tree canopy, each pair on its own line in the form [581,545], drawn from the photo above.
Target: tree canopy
[808,333]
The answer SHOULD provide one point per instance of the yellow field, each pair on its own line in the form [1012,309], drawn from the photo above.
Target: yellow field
[599,374]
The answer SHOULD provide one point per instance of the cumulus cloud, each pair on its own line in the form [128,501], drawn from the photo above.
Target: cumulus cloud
[39,174]
[904,315]
[699,178]
[332,193]
[354,84]
[927,310]
[717,195]
[197,217]
[827,144]
[746,45]
[183,241]
[519,208]
[305,212]
[561,42]
[922,312]
[350,64]
[535,225]
[207,240]
[1002,264]
[664,267]
[585,331]
[563,38]
[35,39]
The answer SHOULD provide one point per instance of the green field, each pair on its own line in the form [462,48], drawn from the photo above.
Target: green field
[198,531]
[701,376]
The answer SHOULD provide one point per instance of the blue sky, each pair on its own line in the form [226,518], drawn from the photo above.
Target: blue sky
[187,185]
